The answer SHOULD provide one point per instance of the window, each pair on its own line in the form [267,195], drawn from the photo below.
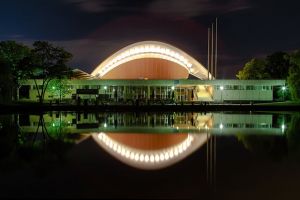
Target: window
[250,87]
[236,87]
[265,87]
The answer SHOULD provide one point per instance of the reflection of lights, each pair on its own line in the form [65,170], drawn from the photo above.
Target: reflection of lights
[105,87]
[156,158]
[161,52]
[136,157]
[131,155]
[221,126]
[173,87]
[142,158]
[221,87]
[282,128]
[146,157]
[105,125]
[151,158]
[162,157]
[283,88]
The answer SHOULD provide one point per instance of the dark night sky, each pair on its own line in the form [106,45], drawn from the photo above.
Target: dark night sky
[94,29]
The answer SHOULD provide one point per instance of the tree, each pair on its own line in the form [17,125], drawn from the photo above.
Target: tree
[59,88]
[49,63]
[5,82]
[254,69]
[277,65]
[293,78]
[11,56]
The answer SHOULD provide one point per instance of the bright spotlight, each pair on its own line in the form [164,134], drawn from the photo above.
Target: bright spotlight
[221,126]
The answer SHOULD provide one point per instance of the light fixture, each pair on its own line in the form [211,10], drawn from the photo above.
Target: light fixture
[221,126]
[282,128]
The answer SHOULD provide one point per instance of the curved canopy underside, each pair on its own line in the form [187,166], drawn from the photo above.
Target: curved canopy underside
[148,68]
[150,50]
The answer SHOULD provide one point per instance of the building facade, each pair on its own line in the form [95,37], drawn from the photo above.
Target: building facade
[160,91]
[150,72]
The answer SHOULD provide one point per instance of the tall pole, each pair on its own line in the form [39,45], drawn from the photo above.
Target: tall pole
[216,48]
[212,51]
[208,54]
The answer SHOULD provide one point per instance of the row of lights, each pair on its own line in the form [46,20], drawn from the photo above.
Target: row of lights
[142,50]
[146,157]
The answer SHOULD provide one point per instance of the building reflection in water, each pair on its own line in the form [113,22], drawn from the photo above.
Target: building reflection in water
[153,141]
[150,151]
[214,123]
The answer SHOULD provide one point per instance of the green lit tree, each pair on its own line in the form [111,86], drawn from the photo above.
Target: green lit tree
[59,88]
[254,69]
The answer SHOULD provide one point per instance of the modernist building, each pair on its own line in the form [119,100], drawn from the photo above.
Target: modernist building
[151,71]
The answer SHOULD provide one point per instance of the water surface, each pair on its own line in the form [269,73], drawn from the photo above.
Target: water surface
[220,155]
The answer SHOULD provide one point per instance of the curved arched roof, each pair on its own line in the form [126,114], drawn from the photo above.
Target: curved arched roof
[151,49]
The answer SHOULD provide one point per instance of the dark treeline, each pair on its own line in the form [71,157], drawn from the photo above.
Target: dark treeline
[279,65]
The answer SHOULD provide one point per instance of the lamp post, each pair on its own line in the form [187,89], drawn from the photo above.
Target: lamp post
[221,88]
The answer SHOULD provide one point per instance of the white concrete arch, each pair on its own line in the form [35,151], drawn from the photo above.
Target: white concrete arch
[151,49]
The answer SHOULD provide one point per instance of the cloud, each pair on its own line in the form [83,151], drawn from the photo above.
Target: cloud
[179,8]
[12,37]
[93,6]
[194,8]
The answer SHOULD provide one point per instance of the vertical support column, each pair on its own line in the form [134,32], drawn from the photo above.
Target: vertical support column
[212,51]
[216,49]
[208,54]
[148,92]
[124,94]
